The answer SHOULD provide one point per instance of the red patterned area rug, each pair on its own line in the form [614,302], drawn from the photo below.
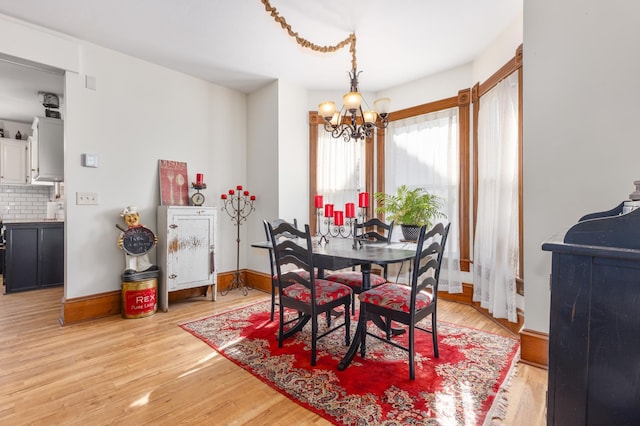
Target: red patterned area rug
[464,386]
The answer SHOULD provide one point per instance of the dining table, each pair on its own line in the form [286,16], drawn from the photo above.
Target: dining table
[341,253]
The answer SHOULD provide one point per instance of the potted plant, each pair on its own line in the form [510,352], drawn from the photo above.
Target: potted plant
[411,208]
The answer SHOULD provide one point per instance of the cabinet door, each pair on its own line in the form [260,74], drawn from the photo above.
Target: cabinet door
[14,160]
[190,246]
[49,139]
[52,256]
[21,259]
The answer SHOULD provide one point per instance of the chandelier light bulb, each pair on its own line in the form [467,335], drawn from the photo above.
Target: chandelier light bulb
[352,100]
[382,105]
[327,109]
[369,116]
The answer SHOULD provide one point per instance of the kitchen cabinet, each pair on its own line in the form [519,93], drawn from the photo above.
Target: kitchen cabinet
[14,161]
[47,150]
[34,255]
[594,373]
[186,250]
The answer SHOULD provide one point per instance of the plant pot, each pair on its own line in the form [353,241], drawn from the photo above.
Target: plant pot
[410,232]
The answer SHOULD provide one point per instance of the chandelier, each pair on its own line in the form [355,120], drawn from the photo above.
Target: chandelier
[352,121]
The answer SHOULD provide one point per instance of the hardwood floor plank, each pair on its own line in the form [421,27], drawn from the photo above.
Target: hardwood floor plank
[148,370]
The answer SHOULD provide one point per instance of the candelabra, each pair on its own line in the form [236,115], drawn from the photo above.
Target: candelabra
[238,204]
[336,226]
[335,222]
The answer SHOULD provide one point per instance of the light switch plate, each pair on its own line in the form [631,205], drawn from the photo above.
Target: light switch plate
[90,160]
[87,198]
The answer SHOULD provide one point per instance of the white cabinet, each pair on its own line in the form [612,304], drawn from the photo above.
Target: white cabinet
[47,150]
[186,250]
[14,161]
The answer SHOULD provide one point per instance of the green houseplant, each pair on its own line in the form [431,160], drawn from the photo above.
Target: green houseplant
[411,208]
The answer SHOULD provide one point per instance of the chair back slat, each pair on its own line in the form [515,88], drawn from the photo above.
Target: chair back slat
[290,254]
[374,229]
[428,260]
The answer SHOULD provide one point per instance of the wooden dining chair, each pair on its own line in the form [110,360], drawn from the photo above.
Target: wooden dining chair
[272,260]
[409,304]
[372,230]
[304,293]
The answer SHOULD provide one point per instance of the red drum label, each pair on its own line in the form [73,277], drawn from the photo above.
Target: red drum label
[139,299]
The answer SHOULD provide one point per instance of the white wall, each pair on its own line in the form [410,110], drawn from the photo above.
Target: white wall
[262,168]
[499,52]
[581,148]
[140,113]
[277,160]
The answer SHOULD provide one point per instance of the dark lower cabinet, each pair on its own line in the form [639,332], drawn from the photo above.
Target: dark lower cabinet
[594,329]
[34,256]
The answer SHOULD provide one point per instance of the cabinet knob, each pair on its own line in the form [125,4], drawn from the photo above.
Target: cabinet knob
[173,276]
[173,226]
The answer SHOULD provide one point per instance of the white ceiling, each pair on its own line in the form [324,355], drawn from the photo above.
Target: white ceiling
[235,43]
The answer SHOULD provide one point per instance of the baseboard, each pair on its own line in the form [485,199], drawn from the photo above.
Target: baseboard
[465,297]
[534,348]
[90,307]
[105,304]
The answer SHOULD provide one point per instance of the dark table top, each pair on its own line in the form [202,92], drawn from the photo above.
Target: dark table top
[339,253]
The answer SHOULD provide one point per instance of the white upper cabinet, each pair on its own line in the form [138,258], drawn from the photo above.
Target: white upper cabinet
[14,161]
[47,150]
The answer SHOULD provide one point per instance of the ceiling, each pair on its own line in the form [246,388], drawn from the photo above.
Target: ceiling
[237,44]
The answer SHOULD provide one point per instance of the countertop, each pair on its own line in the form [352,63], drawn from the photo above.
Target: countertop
[7,221]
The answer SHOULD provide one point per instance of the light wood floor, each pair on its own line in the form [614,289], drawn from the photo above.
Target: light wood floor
[148,370]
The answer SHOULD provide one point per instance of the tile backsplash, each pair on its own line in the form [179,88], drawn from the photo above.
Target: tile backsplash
[25,201]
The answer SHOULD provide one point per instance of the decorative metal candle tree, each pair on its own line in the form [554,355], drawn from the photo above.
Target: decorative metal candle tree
[238,204]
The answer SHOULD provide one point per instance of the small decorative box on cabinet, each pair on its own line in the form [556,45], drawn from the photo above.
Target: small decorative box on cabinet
[186,250]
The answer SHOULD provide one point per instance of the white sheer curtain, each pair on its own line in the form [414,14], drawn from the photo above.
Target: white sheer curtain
[423,152]
[495,260]
[340,175]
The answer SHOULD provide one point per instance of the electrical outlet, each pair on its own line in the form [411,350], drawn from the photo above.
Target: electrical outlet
[87,198]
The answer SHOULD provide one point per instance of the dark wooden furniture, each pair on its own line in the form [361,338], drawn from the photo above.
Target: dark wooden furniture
[34,255]
[272,261]
[409,304]
[594,332]
[339,254]
[300,290]
[374,230]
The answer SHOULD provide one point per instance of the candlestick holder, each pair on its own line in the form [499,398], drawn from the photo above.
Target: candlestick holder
[345,230]
[238,205]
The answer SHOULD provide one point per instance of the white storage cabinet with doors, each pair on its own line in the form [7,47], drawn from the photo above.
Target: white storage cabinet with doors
[186,250]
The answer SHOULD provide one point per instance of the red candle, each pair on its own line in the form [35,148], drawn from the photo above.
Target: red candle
[350,210]
[252,198]
[338,218]
[231,192]
[328,210]
[246,192]
[223,196]
[199,178]
[363,199]
[239,187]
[318,201]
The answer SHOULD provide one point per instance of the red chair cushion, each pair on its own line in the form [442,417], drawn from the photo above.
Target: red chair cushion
[326,291]
[354,279]
[395,296]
